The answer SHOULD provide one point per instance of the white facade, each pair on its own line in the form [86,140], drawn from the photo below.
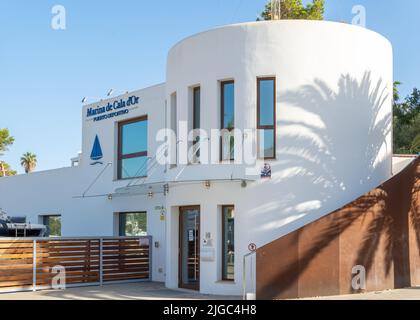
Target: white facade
[333,143]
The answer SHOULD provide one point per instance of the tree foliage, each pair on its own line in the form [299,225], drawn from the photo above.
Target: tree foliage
[294,9]
[6,170]
[5,141]
[28,162]
[406,122]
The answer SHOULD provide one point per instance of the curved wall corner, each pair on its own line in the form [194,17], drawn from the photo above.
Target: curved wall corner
[380,232]
[334,114]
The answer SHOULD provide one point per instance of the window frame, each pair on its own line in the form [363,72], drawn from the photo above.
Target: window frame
[44,222]
[266,127]
[194,90]
[173,124]
[131,212]
[120,156]
[196,126]
[223,207]
[222,113]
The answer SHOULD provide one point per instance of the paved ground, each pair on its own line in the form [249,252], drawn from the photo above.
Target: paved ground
[400,294]
[157,291]
[132,291]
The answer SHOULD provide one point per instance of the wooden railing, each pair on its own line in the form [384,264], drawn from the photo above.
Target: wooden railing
[34,263]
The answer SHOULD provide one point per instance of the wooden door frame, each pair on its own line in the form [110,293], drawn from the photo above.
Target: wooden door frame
[180,255]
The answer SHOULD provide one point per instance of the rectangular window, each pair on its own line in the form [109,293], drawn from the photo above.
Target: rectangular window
[227,151]
[132,148]
[266,118]
[196,107]
[133,224]
[228,243]
[53,224]
[196,121]
[174,128]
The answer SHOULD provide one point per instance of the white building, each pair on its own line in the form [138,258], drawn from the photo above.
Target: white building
[319,92]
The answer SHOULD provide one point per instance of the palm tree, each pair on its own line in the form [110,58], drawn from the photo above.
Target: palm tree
[28,161]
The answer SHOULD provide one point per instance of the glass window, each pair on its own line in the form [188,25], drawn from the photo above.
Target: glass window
[134,137]
[228,243]
[196,122]
[174,128]
[132,149]
[196,107]
[134,167]
[133,224]
[266,143]
[266,118]
[53,224]
[228,119]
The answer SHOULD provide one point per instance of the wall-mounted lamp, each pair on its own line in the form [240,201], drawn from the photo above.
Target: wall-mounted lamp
[110,197]
[244,184]
[207,184]
[150,194]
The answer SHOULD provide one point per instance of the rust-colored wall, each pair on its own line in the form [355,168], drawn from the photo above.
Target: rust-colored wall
[380,231]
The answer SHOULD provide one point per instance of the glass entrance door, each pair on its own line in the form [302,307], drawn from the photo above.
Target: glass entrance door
[189,248]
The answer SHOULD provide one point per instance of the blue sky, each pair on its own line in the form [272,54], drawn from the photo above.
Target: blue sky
[123,45]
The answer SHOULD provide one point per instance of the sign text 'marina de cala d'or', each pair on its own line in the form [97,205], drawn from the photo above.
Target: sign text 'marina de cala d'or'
[115,109]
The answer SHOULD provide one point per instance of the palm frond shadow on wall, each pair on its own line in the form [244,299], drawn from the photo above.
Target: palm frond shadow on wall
[372,231]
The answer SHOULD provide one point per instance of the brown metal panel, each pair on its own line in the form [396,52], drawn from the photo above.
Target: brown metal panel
[379,231]
[319,259]
[277,269]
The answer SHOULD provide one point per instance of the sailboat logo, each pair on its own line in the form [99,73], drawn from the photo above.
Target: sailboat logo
[96,154]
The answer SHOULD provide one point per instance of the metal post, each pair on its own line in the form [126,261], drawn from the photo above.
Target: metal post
[244,277]
[244,274]
[34,266]
[101,271]
[150,258]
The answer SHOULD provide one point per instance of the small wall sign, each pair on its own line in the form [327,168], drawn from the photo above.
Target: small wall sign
[111,110]
[96,154]
[252,247]
[266,171]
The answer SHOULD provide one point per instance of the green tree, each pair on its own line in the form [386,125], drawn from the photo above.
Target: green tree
[28,162]
[406,122]
[5,141]
[294,9]
[5,170]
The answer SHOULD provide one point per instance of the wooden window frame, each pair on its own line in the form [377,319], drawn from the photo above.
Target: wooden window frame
[266,127]
[223,242]
[222,114]
[122,157]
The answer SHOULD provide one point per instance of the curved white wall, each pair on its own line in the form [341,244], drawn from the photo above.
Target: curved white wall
[325,72]
[334,120]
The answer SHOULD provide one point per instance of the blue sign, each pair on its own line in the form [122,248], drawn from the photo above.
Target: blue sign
[96,154]
[116,109]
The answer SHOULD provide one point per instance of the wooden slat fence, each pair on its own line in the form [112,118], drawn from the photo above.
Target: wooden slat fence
[27,264]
